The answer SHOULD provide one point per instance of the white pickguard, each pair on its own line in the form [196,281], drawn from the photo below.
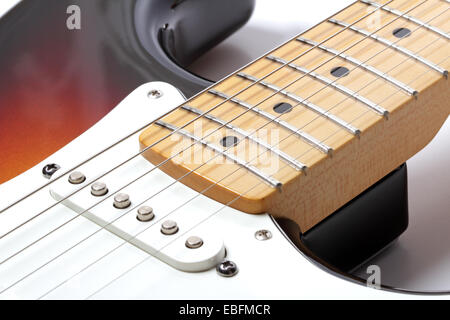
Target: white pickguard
[271,269]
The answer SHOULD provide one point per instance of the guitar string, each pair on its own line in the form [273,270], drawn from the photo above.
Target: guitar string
[44,236]
[219,182]
[218,211]
[177,108]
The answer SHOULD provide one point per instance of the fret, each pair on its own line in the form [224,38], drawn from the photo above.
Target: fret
[372,105]
[362,65]
[408,17]
[303,135]
[306,103]
[392,45]
[287,158]
[268,179]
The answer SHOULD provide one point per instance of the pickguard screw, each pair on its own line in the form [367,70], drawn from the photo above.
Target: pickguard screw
[50,169]
[99,189]
[155,94]
[145,213]
[227,268]
[76,177]
[169,227]
[194,242]
[262,235]
[122,201]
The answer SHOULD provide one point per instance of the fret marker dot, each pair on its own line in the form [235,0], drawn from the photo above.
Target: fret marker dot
[401,32]
[339,72]
[229,141]
[282,107]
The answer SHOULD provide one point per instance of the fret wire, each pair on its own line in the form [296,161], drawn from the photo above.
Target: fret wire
[186,124]
[363,65]
[305,103]
[287,158]
[305,136]
[372,105]
[96,261]
[408,17]
[390,44]
[201,222]
[269,180]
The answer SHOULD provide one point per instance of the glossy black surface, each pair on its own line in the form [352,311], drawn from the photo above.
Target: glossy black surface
[364,226]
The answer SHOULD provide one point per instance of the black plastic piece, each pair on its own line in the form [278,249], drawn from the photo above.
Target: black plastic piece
[364,226]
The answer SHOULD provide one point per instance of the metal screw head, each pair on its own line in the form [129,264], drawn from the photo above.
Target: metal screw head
[99,189]
[122,201]
[76,177]
[194,242]
[49,170]
[145,213]
[155,94]
[227,268]
[169,227]
[263,235]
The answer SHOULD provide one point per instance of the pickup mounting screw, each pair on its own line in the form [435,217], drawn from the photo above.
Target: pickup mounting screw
[262,235]
[76,177]
[227,268]
[122,201]
[99,189]
[145,213]
[155,94]
[50,169]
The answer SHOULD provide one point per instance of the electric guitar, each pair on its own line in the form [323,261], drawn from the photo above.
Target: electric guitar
[125,176]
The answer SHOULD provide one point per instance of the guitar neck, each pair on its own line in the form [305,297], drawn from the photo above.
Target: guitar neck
[309,126]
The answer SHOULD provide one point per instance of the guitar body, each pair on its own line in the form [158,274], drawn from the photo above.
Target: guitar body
[56,83]
[287,272]
[73,97]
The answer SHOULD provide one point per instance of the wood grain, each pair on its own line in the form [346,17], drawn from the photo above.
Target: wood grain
[357,163]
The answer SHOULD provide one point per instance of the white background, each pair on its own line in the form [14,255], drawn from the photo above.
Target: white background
[420,260]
